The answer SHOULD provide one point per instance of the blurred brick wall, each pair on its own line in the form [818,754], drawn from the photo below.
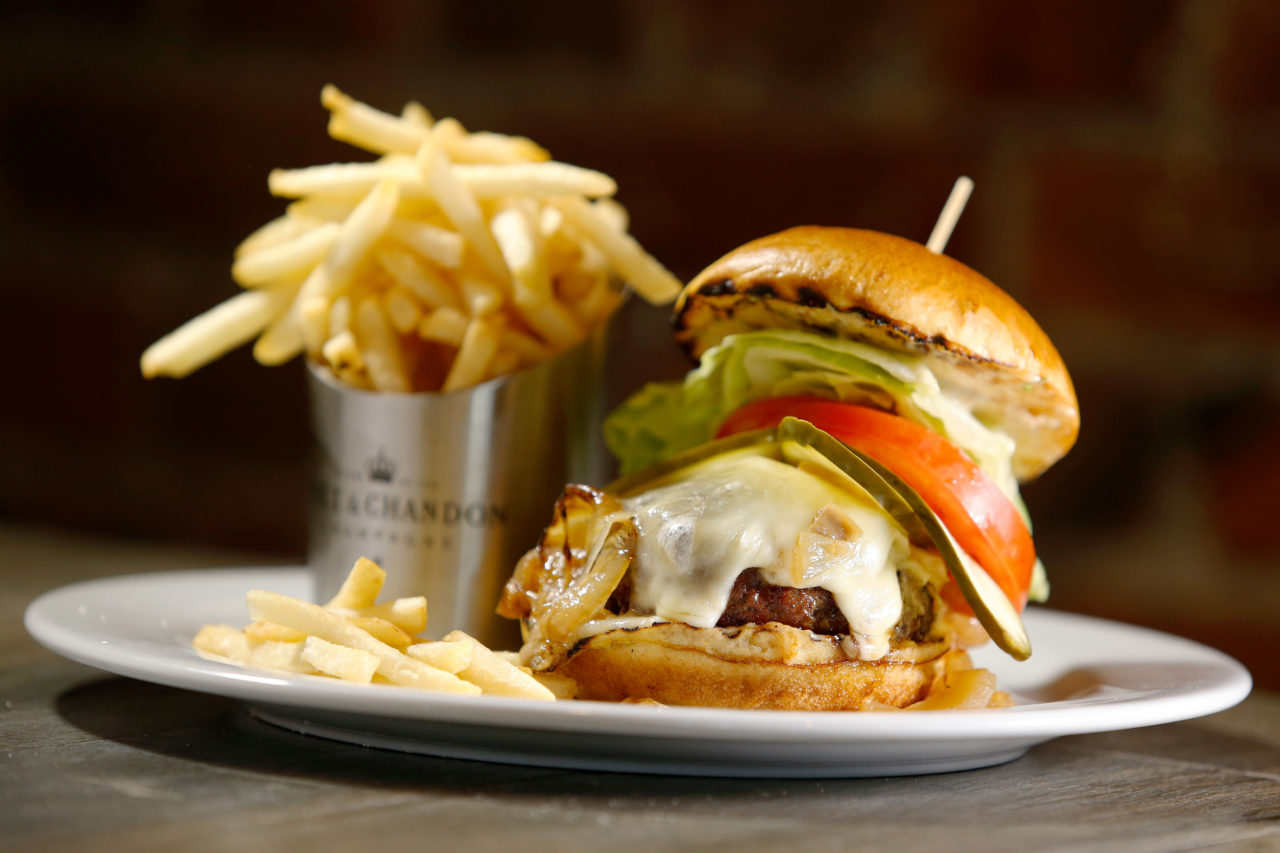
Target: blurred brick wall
[1127,168]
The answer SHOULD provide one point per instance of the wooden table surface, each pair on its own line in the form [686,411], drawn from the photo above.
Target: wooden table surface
[94,761]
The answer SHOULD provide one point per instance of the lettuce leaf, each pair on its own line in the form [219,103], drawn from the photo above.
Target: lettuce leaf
[666,417]
[654,423]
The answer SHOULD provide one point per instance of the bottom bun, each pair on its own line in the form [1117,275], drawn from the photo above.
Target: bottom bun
[770,666]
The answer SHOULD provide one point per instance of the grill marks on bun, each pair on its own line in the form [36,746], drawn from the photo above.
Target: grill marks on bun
[894,293]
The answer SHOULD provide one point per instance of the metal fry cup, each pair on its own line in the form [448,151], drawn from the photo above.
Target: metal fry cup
[447,491]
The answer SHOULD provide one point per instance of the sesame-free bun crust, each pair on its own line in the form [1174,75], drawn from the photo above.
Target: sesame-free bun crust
[771,666]
[896,294]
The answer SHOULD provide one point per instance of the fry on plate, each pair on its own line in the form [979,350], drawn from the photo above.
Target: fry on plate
[355,638]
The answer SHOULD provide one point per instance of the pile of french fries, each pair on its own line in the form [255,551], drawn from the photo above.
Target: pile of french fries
[355,639]
[454,258]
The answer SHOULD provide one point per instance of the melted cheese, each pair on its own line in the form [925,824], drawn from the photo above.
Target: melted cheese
[737,512]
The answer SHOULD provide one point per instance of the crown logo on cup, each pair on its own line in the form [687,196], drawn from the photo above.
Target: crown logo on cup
[380,467]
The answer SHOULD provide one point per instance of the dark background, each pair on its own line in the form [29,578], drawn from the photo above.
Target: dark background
[1127,161]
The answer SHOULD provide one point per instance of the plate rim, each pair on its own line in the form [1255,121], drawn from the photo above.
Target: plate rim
[1041,721]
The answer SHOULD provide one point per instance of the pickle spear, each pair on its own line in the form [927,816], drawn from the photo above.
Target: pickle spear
[801,440]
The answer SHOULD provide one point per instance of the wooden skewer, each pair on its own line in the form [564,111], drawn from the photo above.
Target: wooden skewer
[950,215]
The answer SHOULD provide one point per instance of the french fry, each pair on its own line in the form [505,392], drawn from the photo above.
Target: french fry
[292,258]
[408,614]
[549,318]
[270,632]
[340,315]
[460,206]
[227,642]
[280,655]
[339,661]
[637,267]
[612,211]
[450,135]
[356,236]
[337,181]
[416,113]
[481,295]
[563,248]
[223,640]
[275,232]
[520,245]
[392,665]
[528,348]
[280,341]
[591,261]
[486,147]
[403,312]
[286,337]
[495,675]
[345,180]
[479,344]
[452,656]
[575,284]
[597,304]
[313,317]
[437,244]
[382,630]
[369,128]
[429,286]
[298,322]
[217,331]
[534,180]
[380,348]
[361,586]
[343,354]
[323,208]
[504,362]
[444,325]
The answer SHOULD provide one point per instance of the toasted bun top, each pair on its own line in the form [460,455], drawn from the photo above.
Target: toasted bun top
[896,294]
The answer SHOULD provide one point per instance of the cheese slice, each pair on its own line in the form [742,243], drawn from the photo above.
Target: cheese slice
[714,520]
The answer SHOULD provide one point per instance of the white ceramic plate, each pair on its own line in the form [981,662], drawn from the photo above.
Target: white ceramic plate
[1086,675]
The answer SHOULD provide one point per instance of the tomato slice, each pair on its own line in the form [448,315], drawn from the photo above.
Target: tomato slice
[980,517]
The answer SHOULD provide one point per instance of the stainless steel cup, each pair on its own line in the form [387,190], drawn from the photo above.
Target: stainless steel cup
[446,491]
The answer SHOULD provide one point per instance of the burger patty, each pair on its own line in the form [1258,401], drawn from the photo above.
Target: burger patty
[753,601]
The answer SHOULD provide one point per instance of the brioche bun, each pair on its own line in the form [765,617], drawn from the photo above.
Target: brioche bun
[896,294]
[770,666]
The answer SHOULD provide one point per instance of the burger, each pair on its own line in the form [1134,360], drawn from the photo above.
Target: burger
[824,514]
